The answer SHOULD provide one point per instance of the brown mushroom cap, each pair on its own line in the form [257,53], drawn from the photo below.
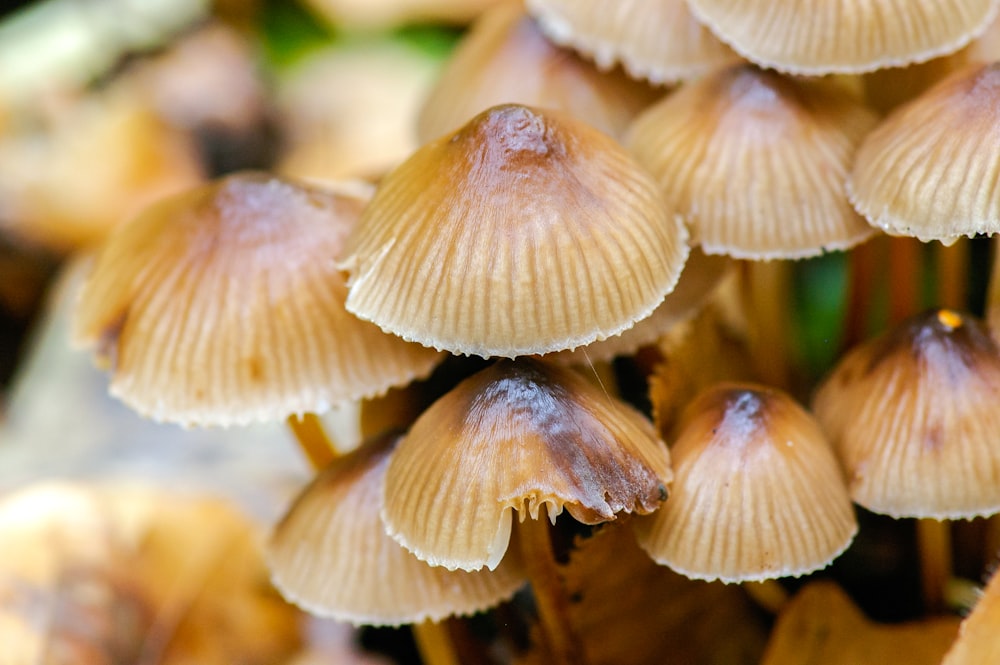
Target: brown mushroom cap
[222,305]
[524,232]
[755,162]
[758,493]
[932,170]
[520,435]
[658,40]
[505,58]
[826,36]
[913,417]
[330,554]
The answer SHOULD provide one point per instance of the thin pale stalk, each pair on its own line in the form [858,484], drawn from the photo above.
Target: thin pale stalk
[561,642]
[953,274]
[993,291]
[768,594]
[905,272]
[769,299]
[313,440]
[863,268]
[434,643]
[934,543]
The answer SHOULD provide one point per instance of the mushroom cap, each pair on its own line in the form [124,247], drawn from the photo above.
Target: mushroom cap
[223,306]
[506,58]
[524,232]
[657,40]
[518,435]
[701,275]
[330,554]
[913,417]
[928,170]
[978,640]
[757,492]
[817,37]
[755,162]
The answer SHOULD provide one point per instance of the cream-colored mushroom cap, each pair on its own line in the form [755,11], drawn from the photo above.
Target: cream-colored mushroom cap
[755,162]
[978,640]
[330,554]
[932,169]
[524,232]
[657,40]
[825,36]
[518,436]
[913,416]
[506,58]
[757,494]
[222,306]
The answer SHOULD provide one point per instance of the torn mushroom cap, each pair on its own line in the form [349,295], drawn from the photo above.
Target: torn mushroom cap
[222,306]
[519,435]
[524,232]
[505,58]
[826,36]
[913,417]
[929,170]
[758,493]
[330,554]
[755,162]
[701,275]
[657,40]
[978,639]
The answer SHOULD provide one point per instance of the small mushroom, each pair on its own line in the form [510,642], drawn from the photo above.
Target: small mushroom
[758,493]
[520,436]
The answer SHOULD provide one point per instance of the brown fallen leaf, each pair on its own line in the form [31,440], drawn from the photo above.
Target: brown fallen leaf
[627,610]
[132,576]
[821,626]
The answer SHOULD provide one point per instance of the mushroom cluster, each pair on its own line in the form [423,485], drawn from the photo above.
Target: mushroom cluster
[552,221]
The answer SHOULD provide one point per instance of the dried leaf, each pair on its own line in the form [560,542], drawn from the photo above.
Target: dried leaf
[627,609]
[821,626]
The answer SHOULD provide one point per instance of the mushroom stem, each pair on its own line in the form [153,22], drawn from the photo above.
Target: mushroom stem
[993,291]
[434,643]
[768,594]
[312,439]
[934,542]
[863,269]
[768,296]
[905,270]
[550,595]
[952,276]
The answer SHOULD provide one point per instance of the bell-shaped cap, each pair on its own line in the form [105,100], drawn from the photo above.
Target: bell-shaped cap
[506,58]
[755,162]
[518,435]
[757,493]
[524,232]
[657,40]
[330,554]
[223,306]
[817,37]
[913,416]
[931,169]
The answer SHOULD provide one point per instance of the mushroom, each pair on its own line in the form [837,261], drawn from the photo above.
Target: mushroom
[524,232]
[815,37]
[755,162]
[758,493]
[222,306]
